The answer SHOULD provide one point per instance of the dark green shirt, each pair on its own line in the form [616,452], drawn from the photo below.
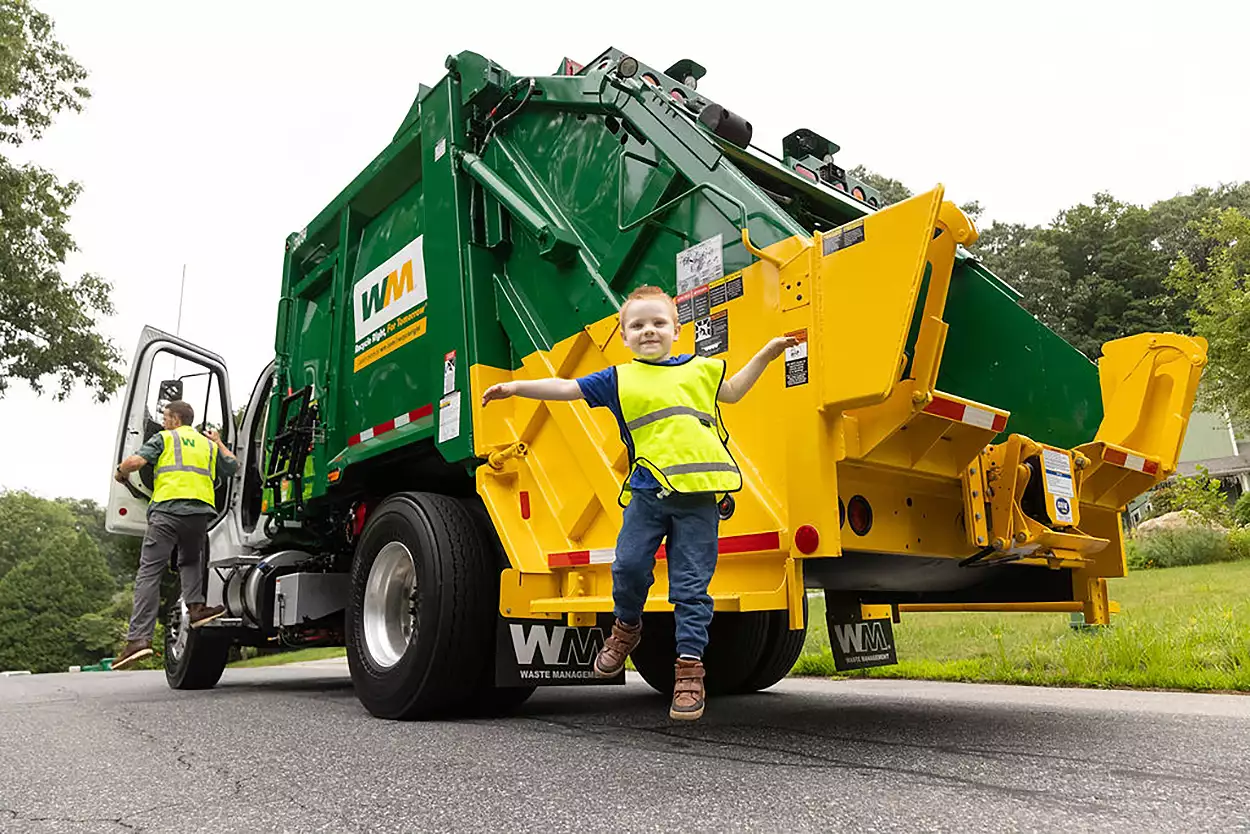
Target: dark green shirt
[151,452]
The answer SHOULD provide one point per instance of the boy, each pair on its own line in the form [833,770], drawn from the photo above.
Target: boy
[667,410]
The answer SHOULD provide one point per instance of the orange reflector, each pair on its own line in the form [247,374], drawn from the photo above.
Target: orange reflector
[334,475]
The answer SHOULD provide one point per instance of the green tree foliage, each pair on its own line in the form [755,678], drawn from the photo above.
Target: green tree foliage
[1198,493]
[1217,280]
[29,524]
[41,601]
[47,323]
[121,553]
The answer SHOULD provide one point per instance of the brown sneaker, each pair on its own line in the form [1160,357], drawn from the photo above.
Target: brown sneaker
[134,650]
[201,613]
[687,691]
[616,648]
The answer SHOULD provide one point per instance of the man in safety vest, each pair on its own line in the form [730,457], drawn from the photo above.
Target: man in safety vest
[680,468]
[183,502]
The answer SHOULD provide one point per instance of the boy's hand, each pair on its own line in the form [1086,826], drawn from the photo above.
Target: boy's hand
[778,346]
[499,392]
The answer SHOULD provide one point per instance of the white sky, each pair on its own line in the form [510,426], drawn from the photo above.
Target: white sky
[215,131]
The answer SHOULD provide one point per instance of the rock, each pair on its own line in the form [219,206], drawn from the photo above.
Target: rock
[1173,521]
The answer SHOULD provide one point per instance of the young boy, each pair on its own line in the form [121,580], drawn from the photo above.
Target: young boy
[679,467]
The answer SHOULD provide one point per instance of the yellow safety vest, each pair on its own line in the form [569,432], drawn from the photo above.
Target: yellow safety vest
[674,421]
[186,468]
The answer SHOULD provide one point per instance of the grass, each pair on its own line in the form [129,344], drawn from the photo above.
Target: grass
[1182,628]
[296,656]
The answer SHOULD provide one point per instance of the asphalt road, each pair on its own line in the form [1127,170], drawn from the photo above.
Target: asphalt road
[290,749]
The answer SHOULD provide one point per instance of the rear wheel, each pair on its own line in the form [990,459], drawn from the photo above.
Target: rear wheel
[419,616]
[735,647]
[782,648]
[194,657]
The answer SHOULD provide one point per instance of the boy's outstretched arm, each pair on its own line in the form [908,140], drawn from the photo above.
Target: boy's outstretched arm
[737,386]
[535,389]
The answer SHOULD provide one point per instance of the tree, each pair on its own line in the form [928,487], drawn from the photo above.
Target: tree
[41,601]
[1220,290]
[47,323]
[29,524]
[121,553]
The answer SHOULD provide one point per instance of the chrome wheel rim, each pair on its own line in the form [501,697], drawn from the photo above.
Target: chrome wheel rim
[389,618]
[179,624]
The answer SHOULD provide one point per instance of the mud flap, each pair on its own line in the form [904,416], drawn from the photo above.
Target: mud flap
[549,653]
[857,643]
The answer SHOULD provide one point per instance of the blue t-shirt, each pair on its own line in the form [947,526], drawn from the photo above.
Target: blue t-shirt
[600,391]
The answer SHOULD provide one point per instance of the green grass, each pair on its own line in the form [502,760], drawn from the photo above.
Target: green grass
[296,656]
[1179,628]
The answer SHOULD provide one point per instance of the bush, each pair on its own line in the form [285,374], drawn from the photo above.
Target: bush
[1239,545]
[1180,546]
[1241,510]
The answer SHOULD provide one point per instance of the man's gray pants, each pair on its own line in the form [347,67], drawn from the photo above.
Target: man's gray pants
[165,532]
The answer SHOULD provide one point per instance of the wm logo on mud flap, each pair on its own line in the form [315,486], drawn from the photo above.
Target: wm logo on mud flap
[862,644]
[544,653]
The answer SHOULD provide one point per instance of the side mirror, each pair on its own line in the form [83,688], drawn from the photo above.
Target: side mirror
[170,390]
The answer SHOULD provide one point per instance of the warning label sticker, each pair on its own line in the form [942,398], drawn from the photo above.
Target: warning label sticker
[449,417]
[701,301]
[711,334]
[843,237]
[1058,468]
[700,265]
[796,360]
[449,372]
[1063,510]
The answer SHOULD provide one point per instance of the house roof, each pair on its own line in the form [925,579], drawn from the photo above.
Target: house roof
[1216,467]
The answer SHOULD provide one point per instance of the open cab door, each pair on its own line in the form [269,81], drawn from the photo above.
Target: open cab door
[165,368]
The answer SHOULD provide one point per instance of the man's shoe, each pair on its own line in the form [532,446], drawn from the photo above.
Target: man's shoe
[201,613]
[688,693]
[622,641]
[134,650]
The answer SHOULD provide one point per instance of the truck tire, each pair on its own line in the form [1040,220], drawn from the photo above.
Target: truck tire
[194,657]
[418,613]
[782,648]
[491,700]
[735,646]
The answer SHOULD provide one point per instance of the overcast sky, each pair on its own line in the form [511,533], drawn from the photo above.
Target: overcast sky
[216,130]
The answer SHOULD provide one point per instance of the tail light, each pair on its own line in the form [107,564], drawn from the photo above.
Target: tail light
[859,515]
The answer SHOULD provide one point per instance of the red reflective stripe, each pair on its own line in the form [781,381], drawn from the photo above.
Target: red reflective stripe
[949,409]
[426,410]
[353,440]
[728,545]
[423,411]
[1115,456]
[1150,468]
[568,560]
[753,543]
[1000,422]
[382,428]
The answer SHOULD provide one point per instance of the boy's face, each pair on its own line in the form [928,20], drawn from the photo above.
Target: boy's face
[649,327]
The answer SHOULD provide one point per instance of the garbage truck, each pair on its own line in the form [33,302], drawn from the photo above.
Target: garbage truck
[926,445]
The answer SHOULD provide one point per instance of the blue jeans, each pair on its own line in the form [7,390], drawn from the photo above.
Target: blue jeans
[690,522]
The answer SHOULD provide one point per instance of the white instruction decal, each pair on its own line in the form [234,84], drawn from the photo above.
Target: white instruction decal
[449,417]
[701,264]
[1058,468]
[440,148]
[796,360]
[449,372]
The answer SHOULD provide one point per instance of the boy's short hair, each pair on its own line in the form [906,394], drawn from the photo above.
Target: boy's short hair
[646,291]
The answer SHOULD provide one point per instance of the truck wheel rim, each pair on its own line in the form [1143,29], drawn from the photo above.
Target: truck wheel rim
[179,624]
[389,620]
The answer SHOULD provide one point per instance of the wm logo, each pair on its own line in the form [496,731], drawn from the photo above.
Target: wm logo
[856,638]
[379,296]
[558,645]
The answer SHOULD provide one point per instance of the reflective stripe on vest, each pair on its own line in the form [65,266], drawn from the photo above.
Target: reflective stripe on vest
[674,422]
[186,468]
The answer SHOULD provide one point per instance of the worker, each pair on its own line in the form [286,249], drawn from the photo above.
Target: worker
[680,468]
[183,501]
